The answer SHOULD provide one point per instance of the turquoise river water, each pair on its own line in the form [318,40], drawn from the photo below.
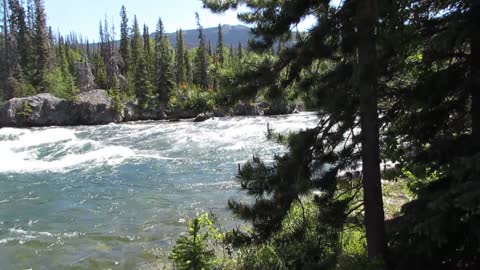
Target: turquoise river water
[115,196]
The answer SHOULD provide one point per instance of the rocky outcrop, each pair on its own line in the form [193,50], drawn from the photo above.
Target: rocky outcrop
[203,117]
[177,114]
[39,110]
[247,109]
[277,107]
[89,108]
[95,108]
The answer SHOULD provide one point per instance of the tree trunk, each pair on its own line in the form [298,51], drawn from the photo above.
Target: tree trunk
[366,18]
[475,69]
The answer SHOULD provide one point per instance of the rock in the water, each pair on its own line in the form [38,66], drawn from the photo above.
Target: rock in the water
[247,109]
[219,113]
[131,112]
[38,110]
[278,107]
[95,108]
[182,114]
[90,108]
[203,117]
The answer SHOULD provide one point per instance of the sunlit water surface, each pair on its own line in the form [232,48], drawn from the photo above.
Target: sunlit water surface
[110,197]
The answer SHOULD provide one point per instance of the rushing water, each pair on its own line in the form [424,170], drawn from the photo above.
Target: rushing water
[108,196]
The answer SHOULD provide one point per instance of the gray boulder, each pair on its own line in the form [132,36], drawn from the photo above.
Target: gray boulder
[176,113]
[38,110]
[132,112]
[247,109]
[277,107]
[95,107]
[203,117]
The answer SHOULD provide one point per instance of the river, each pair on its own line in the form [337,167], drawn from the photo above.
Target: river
[115,196]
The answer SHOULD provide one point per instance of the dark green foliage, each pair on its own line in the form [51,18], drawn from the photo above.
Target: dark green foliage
[23,37]
[26,110]
[143,85]
[427,102]
[201,59]
[42,45]
[100,71]
[240,51]
[180,54]
[219,51]
[136,45]
[148,51]
[193,98]
[116,97]
[196,251]
[164,65]
[124,42]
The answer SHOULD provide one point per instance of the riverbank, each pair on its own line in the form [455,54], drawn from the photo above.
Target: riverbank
[96,107]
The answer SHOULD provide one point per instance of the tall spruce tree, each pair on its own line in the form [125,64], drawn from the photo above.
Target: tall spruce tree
[42,46]
[325,39]
[180,53]
[365,22]
[136,44]
[201,60]
[143,85]
[188,67]
[220,46]
[5,60]
[22,35]
[124,42]
[164,65]
[148,51]
[240,51]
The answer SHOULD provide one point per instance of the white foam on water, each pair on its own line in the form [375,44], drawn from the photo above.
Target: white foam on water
[23,236]
[21,154]
[65,149]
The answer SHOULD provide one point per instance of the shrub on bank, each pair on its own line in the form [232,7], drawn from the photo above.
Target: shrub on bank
[192,97]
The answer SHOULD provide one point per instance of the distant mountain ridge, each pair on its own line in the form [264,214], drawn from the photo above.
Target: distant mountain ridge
[232,35]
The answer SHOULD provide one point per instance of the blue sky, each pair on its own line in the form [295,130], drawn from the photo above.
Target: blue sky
[83,16]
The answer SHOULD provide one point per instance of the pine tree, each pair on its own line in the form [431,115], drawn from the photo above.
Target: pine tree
[366,20]
[323,41]
[148,51]
[136,45]
[232,52]
[180,53]
[240,51]
[5,63]
[220,56]
[30,14]
[210,52]
[201,61]
[188,67]
[42,46]
[100,71]
[22,35]
[124,42]
[164,68]
[143,85]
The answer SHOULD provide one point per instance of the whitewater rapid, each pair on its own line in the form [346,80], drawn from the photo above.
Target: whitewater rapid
[97,197]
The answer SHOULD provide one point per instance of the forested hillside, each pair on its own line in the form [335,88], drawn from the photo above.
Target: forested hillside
[232,36]
[197,73]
